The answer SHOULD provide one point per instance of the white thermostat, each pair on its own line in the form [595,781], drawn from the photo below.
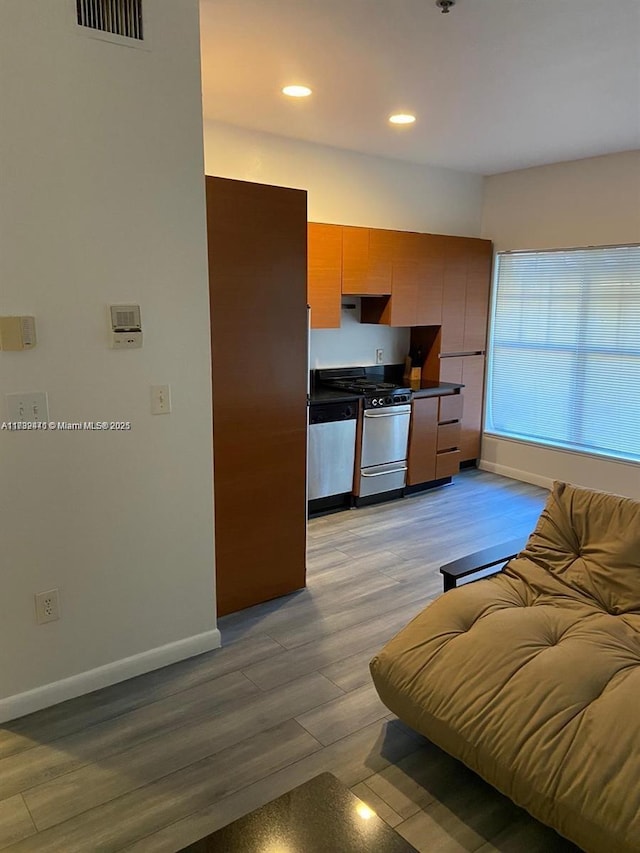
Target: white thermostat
[126,326]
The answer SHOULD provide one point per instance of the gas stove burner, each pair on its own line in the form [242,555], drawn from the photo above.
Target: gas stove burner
[372,387]
[365,386]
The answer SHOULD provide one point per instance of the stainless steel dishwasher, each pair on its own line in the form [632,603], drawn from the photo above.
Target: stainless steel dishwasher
[331,455]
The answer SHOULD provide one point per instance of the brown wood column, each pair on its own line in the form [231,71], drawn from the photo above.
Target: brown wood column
[257,238]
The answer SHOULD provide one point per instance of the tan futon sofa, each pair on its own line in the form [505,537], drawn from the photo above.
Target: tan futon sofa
[532,677]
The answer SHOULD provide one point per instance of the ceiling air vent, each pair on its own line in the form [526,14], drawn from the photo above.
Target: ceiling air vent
[118,17]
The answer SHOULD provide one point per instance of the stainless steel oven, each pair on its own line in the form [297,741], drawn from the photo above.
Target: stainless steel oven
[386,410]
[385,434]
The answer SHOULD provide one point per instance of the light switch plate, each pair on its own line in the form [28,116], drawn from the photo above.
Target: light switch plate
[160,399]
[31,406]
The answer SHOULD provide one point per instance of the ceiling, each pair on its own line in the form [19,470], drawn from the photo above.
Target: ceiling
[496,85]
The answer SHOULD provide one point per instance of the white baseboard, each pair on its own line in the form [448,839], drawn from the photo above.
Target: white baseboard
[103,676]
[516,474]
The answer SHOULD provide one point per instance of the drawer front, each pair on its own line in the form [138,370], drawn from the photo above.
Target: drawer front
[450,408]
[383,478]
[449,436]
[447,464]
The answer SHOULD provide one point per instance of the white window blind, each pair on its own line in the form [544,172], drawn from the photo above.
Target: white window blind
[564,359]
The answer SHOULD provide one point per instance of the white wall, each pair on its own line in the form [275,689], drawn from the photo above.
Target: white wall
[351,189]
[355,343]
[102,201]
[582,203]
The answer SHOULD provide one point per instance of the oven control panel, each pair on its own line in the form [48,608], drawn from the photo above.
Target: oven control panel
[389,400]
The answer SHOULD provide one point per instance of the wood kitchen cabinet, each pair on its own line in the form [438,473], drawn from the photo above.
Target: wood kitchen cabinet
[476,314]
[367,255]
[257,241]
[423,441]
[450,413]
[416,283]
[430,281]
[434,438]
[405,282]
[454,294]
[324,275]
[406,279]
[465,297]
[468,370]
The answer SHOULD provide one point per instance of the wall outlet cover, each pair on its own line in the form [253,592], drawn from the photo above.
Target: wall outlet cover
[47,606]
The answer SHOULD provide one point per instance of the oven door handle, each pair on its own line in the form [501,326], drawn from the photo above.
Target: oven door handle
[384,473]
[386,414]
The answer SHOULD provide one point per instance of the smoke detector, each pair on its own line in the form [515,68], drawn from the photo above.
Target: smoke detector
[445,5]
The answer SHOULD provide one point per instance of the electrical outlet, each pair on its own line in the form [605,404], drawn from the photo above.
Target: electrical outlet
[379,356]
[47,606]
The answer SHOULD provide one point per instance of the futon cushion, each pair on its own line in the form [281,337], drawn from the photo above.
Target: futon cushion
[532,677]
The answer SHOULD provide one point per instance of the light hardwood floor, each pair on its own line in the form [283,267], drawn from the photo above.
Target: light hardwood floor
[157,762]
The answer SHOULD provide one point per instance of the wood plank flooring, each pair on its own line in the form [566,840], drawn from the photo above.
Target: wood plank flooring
[157,762]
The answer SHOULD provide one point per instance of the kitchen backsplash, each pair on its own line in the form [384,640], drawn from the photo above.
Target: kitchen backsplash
[355,343]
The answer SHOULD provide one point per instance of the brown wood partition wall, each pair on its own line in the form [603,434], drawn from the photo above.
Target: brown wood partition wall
[257,237]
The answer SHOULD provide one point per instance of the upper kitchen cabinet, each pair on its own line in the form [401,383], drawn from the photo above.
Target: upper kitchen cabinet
[430,281]
[417,270]
[404,278]
[367,256]
[454,295]
[324,274]
[465,300]
[380,261]
[257,238]
[405,282]
[476,312]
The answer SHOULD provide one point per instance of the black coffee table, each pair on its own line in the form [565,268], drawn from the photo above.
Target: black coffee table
[321,816]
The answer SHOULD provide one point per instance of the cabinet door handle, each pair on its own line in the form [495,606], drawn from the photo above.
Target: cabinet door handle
[385,414]
[382,473]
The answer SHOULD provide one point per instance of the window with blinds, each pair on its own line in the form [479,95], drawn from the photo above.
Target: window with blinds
[564,358]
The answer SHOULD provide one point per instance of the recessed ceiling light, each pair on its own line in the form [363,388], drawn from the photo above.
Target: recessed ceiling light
[296,91]
[402,118]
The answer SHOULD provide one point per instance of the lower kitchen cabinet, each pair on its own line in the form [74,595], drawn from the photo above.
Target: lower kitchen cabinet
[435,434]
[447,464]
[468,370]
[423,441]
[448,436]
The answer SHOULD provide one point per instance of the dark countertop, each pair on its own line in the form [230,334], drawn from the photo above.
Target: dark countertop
[427,389]
[436,389]
[331,395]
